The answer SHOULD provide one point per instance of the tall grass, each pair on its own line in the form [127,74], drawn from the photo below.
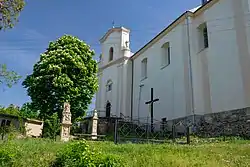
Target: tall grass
[41,153]
[32,152]
[207,155]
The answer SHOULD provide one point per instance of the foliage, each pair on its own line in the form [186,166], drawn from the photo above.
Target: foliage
[10,131]
[6,158]
[66,72]
[9,12]
[11,110]
[51,127]
[8,77]
[78,154]
[27,111]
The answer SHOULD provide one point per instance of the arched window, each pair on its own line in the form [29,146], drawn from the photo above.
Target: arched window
[109,85]
[111,53]
[165,54]
[144,70]
[108,109]
[203,36]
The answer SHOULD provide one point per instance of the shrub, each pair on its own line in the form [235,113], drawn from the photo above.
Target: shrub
[6,159]
[51,127]
[78,154]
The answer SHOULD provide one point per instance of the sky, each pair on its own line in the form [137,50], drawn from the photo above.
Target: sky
[43,21]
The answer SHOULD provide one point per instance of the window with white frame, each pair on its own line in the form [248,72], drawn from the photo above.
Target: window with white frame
[165,57]
[203,36]
[109,85]
[144,64]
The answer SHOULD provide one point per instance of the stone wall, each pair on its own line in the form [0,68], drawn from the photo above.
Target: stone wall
[104,126]
[228,123]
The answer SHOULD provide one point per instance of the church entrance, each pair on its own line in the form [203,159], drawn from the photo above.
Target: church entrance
[108,109]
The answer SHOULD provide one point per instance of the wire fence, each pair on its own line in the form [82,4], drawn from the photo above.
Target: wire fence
[179,131]
[222,125]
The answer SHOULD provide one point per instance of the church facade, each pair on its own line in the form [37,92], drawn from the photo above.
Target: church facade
[198,65]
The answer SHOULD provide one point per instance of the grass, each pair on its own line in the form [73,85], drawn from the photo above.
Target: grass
[40,153]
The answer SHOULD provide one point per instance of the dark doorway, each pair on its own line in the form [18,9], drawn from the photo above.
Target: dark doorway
[108,109]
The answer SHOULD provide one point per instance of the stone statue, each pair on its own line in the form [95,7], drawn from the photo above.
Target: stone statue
[66,123]
[94,125]
[127,44]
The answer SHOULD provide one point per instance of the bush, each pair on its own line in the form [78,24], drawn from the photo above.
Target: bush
[6,159]
[78,154]
[51,127]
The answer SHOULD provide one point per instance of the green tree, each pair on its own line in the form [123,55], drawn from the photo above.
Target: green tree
[66,71]
[27,111]
[9,12]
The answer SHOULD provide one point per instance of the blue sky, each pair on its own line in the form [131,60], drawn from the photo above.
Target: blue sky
[45,20]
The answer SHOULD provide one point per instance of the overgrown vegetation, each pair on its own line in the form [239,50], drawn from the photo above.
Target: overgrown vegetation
[42,153]
[79,154]
[26,111]
[51,127]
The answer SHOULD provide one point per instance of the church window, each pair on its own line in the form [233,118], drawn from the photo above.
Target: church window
[144,64]
[111,54]
[165,54]
[203,36]
[109,85]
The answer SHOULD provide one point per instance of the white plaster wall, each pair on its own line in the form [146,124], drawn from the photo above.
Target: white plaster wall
[216,70]
[168,83]
[113,40]
[116,71]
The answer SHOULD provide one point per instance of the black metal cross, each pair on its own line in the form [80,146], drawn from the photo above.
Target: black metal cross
[151,103]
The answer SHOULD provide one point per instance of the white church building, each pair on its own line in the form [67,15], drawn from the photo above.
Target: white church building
[198,65]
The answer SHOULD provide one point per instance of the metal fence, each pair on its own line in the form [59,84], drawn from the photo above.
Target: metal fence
[179,131]
[142,130]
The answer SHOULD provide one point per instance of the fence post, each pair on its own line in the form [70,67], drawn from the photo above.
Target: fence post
[115,135]
[173,132]
[188,135]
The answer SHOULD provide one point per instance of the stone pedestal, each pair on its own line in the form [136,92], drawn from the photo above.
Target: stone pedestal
[94,126]
[66,123]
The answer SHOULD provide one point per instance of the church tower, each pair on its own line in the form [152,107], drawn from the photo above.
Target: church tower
[112,98]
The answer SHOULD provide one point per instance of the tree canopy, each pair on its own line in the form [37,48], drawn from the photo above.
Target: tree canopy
[66,72]
[9,12]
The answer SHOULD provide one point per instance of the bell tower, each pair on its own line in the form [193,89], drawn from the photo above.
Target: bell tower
[112,73]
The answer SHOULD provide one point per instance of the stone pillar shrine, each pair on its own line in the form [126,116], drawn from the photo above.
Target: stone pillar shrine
[66,123]
[94,125]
